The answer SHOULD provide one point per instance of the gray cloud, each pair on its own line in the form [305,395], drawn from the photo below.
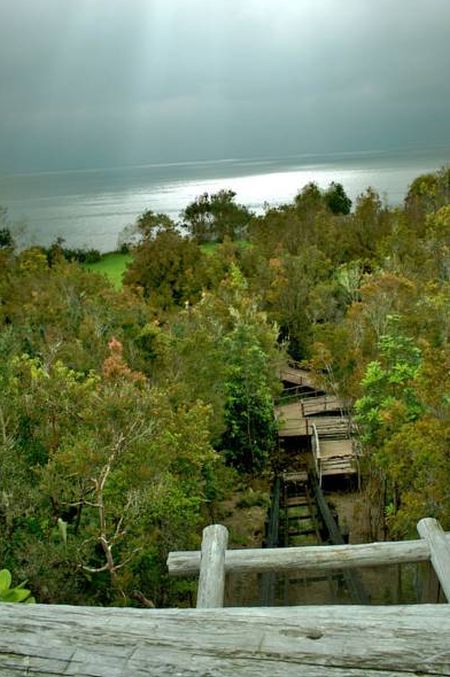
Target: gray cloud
[99,82]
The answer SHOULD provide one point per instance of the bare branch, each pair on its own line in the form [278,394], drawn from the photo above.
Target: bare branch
[105,567]
[128,559]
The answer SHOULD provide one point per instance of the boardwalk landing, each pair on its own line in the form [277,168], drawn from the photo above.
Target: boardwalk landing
[312,641]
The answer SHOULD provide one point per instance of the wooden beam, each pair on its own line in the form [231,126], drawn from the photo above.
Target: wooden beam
[211,582]
[336,641]
[431,531]
[354,583]
[307,558]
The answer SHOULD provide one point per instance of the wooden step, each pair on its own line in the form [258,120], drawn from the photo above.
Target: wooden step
[295,501]
[303,532]
[300,477]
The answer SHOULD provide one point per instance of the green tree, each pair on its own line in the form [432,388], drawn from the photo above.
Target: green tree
[65,312]
[294,295]
[147,226]
[389,406]
[168,268]
[337,200]
[250,429]
[113,477]
[6,236]
[216,217]
[389,396]
[224,351]
[426,194]
[368,226]
[436,244]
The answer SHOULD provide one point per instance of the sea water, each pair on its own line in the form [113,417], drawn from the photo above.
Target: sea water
[90,208]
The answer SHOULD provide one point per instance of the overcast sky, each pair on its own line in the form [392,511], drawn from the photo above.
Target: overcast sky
[95,83]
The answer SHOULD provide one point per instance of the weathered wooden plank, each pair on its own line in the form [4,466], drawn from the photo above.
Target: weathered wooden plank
[299,477]
[291,422]
[211,584]
[337,470]
[306,558]
[431,531]
[313,641]
[336,448]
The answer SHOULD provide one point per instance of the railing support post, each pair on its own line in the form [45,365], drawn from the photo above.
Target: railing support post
[431,531]
[211,584]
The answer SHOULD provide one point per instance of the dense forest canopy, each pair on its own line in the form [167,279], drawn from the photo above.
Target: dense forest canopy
[125,415]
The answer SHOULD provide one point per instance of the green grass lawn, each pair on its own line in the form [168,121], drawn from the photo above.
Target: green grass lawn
[113,265]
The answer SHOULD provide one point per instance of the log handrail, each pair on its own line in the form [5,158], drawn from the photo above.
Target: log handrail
[316,453]
[434,546]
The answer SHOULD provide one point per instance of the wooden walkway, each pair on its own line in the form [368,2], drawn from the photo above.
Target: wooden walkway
[323,418]
[296,376]
[293,424]
[291,421]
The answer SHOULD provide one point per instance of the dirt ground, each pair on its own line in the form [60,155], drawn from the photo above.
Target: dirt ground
[352,514]
[244,514]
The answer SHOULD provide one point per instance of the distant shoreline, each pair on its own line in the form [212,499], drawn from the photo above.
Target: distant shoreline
[306,159]
[89,208]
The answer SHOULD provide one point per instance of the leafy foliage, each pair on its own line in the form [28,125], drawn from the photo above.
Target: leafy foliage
[251,432]
[337,200]
[168,268]
[213,218]
[389,397]
[10,594]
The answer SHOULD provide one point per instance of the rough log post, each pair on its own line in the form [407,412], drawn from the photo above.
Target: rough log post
[431,531]
[211,582]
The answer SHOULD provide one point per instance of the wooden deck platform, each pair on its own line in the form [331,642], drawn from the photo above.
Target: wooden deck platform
[291,420]
[292,423]
[312,406]
[297,376]
[338,641]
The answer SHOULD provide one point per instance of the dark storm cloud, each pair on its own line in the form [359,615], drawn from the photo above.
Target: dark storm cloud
[99,82]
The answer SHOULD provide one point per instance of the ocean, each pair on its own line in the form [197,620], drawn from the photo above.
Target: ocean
[89,208]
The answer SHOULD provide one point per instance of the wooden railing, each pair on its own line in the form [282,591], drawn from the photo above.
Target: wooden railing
[363,641]
[214,560]
[315,446]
